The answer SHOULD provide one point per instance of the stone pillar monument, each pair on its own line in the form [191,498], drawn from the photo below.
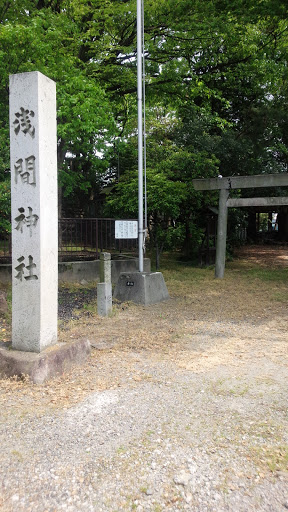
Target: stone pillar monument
[33,155]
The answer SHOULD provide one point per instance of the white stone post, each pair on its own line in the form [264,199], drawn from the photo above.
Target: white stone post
[33,154]
[104,288]
[105,267]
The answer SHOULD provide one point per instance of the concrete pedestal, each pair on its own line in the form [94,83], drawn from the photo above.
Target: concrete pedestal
[51,362]
[141,287]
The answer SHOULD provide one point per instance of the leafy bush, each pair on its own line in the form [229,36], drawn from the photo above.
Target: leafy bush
[5,208]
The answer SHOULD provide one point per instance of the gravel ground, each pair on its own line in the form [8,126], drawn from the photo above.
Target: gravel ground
[183,406]
[71,302]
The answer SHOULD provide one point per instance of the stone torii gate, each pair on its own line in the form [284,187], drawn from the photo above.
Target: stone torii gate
[224,185]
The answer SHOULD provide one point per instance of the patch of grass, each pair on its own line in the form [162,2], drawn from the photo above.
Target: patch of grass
[275,458]
[18,455]
[9,295]
[223,387]
[91,307]
[6,318]
[266,379]
[280,296]
[157,508]
[265,274]
[239,391]
[75,287]
[183,280]
[121,450]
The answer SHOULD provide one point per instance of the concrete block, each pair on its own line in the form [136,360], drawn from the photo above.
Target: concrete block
[51,362]
[75,271]
[141,287]
[104,299]
[121,265]
[33,155]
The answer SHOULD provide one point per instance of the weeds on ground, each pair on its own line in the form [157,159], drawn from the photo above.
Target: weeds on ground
[274,458]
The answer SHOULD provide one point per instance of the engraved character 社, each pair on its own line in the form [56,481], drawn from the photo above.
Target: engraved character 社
[31,268]
[20,269]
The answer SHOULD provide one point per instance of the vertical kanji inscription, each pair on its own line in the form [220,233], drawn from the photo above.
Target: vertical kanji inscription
[34,211]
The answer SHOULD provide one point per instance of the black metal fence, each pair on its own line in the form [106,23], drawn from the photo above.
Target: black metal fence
[5,249]
[82,239]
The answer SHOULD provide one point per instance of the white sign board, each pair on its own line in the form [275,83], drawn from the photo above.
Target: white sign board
[126,229]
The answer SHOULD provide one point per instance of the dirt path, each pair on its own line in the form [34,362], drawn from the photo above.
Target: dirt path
[264,255]
[183,405]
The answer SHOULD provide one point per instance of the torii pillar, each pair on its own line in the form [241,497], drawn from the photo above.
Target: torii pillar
[221,233]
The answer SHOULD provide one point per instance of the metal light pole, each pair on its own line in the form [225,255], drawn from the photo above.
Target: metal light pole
[141,231]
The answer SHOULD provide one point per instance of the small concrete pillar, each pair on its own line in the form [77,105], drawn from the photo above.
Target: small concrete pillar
[105,267]
[33,154]
[104,299]
[221,234]
[104,288]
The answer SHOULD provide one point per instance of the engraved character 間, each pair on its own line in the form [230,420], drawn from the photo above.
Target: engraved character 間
[26,170]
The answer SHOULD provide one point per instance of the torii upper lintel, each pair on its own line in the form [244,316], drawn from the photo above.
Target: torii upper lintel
[235,182]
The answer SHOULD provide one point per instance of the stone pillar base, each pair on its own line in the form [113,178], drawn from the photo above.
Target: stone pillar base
[41,367]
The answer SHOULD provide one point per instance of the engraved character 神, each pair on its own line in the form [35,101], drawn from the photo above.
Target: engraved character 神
[20,220]
[30,220]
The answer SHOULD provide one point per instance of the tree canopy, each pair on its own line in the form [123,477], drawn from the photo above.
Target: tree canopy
[216,97]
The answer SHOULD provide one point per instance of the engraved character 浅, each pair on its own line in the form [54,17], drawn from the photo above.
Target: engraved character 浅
[26,170]
[23,122]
